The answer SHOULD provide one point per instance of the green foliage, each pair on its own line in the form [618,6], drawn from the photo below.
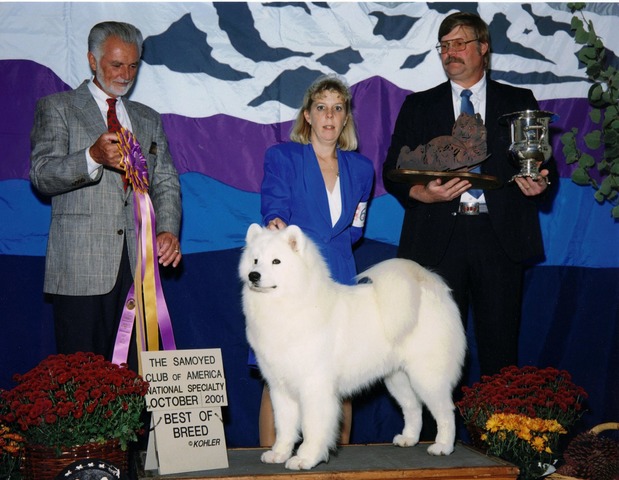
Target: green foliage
[603,97]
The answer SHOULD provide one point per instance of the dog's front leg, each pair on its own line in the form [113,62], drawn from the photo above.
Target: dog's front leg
[287,422]
[320,409]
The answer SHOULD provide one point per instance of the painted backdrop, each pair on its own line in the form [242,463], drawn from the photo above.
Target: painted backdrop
[228,78]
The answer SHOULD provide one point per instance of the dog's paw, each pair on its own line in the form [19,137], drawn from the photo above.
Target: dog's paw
[271,457]
[402,441]
[440,449]
[300,463]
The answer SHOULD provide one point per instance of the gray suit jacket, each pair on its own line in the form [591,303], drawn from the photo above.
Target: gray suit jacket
[91,218]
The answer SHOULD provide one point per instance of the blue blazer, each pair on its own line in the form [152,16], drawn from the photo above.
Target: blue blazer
[293,189]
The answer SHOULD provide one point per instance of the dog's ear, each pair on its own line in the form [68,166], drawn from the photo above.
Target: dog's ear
[296,238]
[253,231]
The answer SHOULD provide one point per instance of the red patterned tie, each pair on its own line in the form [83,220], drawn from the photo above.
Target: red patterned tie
[113,126]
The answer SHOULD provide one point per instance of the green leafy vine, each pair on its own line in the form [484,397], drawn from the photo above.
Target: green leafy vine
[603,98]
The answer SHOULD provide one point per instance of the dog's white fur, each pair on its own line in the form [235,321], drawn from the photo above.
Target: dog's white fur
[318,341]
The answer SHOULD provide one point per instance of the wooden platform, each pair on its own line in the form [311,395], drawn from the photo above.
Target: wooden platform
[363,462]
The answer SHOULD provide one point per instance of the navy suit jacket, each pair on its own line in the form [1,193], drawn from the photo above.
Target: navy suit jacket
[427,228]
[293,189]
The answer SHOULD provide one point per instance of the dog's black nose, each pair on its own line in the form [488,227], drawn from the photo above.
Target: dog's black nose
[254,277]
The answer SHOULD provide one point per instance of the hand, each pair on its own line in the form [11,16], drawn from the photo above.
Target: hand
[168,249]
[436,191]
[530,187]
[276,224]
[105,151]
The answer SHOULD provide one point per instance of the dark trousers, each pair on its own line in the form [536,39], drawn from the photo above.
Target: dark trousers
[90,323]
[483,278]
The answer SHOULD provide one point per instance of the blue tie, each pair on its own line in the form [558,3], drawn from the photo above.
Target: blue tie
[466,106]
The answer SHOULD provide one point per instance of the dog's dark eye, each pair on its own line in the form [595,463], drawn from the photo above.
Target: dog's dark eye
[276,261]
[255,261]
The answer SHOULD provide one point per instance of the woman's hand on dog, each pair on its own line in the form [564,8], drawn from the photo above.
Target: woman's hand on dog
[276,224]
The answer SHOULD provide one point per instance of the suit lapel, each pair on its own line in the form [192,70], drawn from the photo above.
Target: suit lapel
[88,114]
[497,104]
[494,105]
[345,186]
[137,123]
[444,108]
[315,183]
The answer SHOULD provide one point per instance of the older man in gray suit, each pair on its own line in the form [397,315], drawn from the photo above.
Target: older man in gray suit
[91,251]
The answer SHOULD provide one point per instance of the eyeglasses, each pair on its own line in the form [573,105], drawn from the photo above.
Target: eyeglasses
[457,44]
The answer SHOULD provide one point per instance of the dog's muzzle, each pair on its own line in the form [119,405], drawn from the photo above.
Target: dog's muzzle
[255,280]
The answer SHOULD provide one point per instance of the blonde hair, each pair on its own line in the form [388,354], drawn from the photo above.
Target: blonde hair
[301,129]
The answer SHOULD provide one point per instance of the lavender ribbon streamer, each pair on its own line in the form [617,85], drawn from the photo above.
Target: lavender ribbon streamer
[137,173]
[125,329]
[163,315]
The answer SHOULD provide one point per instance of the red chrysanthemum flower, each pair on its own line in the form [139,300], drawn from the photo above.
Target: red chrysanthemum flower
[70,400]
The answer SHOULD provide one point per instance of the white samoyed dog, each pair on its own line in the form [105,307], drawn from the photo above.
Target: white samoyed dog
[317,341]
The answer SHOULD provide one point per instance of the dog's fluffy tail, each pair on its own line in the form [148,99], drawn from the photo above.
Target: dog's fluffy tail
[397,285]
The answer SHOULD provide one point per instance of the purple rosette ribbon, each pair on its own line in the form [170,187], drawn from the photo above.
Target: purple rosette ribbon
[133,161]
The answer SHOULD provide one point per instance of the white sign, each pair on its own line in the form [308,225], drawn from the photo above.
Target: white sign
[190,440]
[186,390]
[184,379]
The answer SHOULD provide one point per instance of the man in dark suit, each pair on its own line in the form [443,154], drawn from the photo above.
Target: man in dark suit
[480,255]
[91,250]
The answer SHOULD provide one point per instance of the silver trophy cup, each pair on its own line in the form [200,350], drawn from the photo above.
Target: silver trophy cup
[530,146]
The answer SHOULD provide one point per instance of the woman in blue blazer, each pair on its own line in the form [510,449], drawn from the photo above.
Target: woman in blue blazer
[318,183]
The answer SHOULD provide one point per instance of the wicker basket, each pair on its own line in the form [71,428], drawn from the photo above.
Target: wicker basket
[596,430]
[42,463]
